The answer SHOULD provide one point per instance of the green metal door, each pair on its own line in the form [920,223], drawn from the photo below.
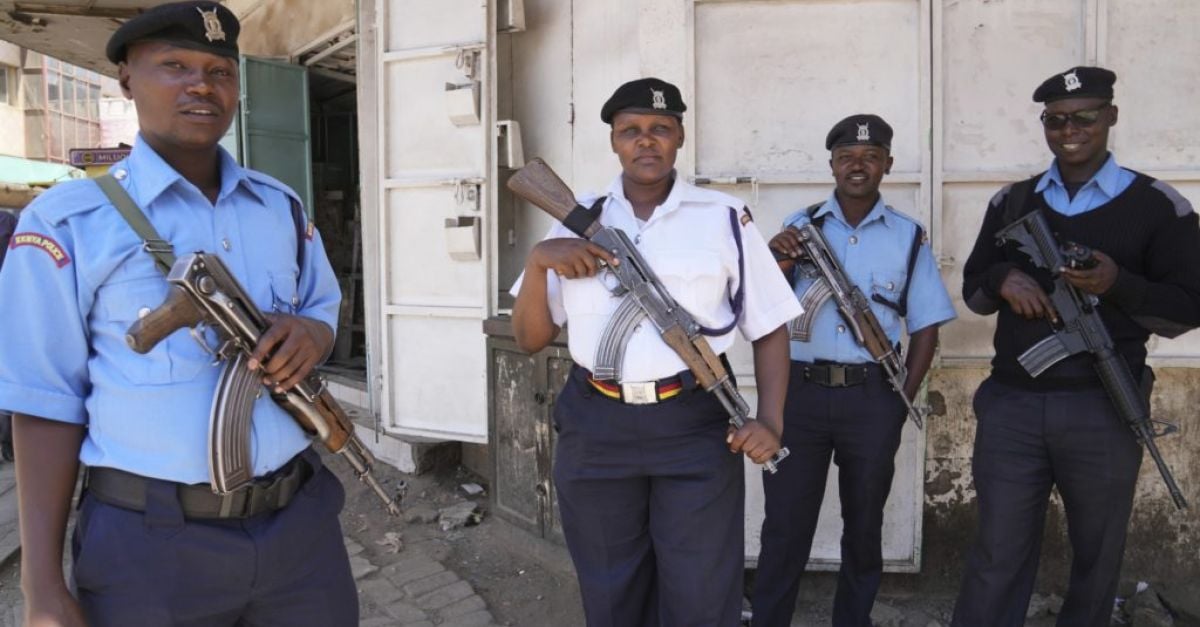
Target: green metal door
[274,125]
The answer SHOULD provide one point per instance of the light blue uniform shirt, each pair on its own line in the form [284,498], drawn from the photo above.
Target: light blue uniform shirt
[1108,183]
[875,257]
[76,277]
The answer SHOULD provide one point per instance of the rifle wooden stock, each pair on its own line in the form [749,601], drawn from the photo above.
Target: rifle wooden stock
[538,184]
[177,312]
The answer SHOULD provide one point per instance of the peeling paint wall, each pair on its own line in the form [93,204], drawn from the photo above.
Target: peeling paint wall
[1163,543]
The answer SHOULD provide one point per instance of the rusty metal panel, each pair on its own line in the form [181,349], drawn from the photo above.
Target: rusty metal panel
[558,368]
[516,441]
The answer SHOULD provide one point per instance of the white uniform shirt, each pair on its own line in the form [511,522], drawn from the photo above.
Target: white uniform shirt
[689,243]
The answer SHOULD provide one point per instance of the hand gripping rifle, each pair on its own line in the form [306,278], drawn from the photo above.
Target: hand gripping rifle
[641,290]
[204,292]
[831,281]
[1081,329]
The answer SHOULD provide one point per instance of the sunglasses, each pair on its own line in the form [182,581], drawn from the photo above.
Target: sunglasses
[1083,118]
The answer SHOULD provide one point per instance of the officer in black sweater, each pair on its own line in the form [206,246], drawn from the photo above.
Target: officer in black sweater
[1060,429]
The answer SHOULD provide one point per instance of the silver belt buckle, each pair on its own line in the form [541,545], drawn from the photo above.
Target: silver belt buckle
[639,392]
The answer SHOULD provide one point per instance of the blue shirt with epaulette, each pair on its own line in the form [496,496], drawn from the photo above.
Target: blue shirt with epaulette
[875,257]
[76,278]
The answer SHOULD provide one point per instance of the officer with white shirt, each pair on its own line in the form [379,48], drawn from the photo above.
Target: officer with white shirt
[153,545]
[650,494]
[839,402]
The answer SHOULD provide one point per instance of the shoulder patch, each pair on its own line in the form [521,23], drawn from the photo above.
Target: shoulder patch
[66,199]
[747,218]
[272,182]
[998,199]
[41,242]
[1182,206]
[309,231]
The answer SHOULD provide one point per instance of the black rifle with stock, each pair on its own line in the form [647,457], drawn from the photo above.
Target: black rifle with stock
[1082,329]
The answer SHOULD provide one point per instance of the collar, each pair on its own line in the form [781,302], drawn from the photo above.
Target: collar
[681,192]
[154,175]
[1107,178]
[877,212]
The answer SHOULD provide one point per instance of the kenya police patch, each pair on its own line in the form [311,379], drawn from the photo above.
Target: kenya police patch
[43,242]
[308,232]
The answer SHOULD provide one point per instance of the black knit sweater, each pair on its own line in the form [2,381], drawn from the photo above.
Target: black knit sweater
[1151,233]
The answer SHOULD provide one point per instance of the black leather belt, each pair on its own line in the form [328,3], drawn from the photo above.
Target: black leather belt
[835,375]
[267,494]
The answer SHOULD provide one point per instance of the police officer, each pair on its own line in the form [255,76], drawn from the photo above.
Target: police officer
[1060,429]
[650,496]
[151,544]
[839,401]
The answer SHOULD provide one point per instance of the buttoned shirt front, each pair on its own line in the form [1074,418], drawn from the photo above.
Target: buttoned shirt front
[1107,183]
[690,245]
[874,255]
[76,278]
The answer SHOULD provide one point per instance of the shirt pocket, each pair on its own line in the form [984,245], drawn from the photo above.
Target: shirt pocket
[889,286]
[285,295]
[176,358]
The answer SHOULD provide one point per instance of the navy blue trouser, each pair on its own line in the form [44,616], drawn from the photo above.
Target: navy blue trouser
[156,569]
[859,427]
[651,501]
[1025,443]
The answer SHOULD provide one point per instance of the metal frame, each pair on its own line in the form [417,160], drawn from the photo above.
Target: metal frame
[390,307]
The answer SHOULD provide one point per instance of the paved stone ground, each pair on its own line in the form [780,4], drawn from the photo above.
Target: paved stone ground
[416,591]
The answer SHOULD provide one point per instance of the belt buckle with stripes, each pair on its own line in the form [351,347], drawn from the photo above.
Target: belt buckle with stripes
[639,392]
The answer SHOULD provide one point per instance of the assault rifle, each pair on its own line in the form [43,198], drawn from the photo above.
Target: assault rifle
[1081,329]
[203,292]
[819,262]
[644,296]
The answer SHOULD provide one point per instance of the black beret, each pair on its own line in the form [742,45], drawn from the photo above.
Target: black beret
[1077,82]
[645,95]
[860,128]
[200,25]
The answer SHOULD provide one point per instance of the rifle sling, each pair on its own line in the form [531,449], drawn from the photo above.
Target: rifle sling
[901,306]
[152,242]
[581,218]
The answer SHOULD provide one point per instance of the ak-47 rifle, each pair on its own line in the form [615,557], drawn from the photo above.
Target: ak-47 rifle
[203,291]
[1081,329]
[819,263]
[644,295]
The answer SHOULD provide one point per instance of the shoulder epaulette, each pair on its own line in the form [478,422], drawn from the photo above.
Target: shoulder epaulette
[274,183]
[66,199]
[1182,205]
